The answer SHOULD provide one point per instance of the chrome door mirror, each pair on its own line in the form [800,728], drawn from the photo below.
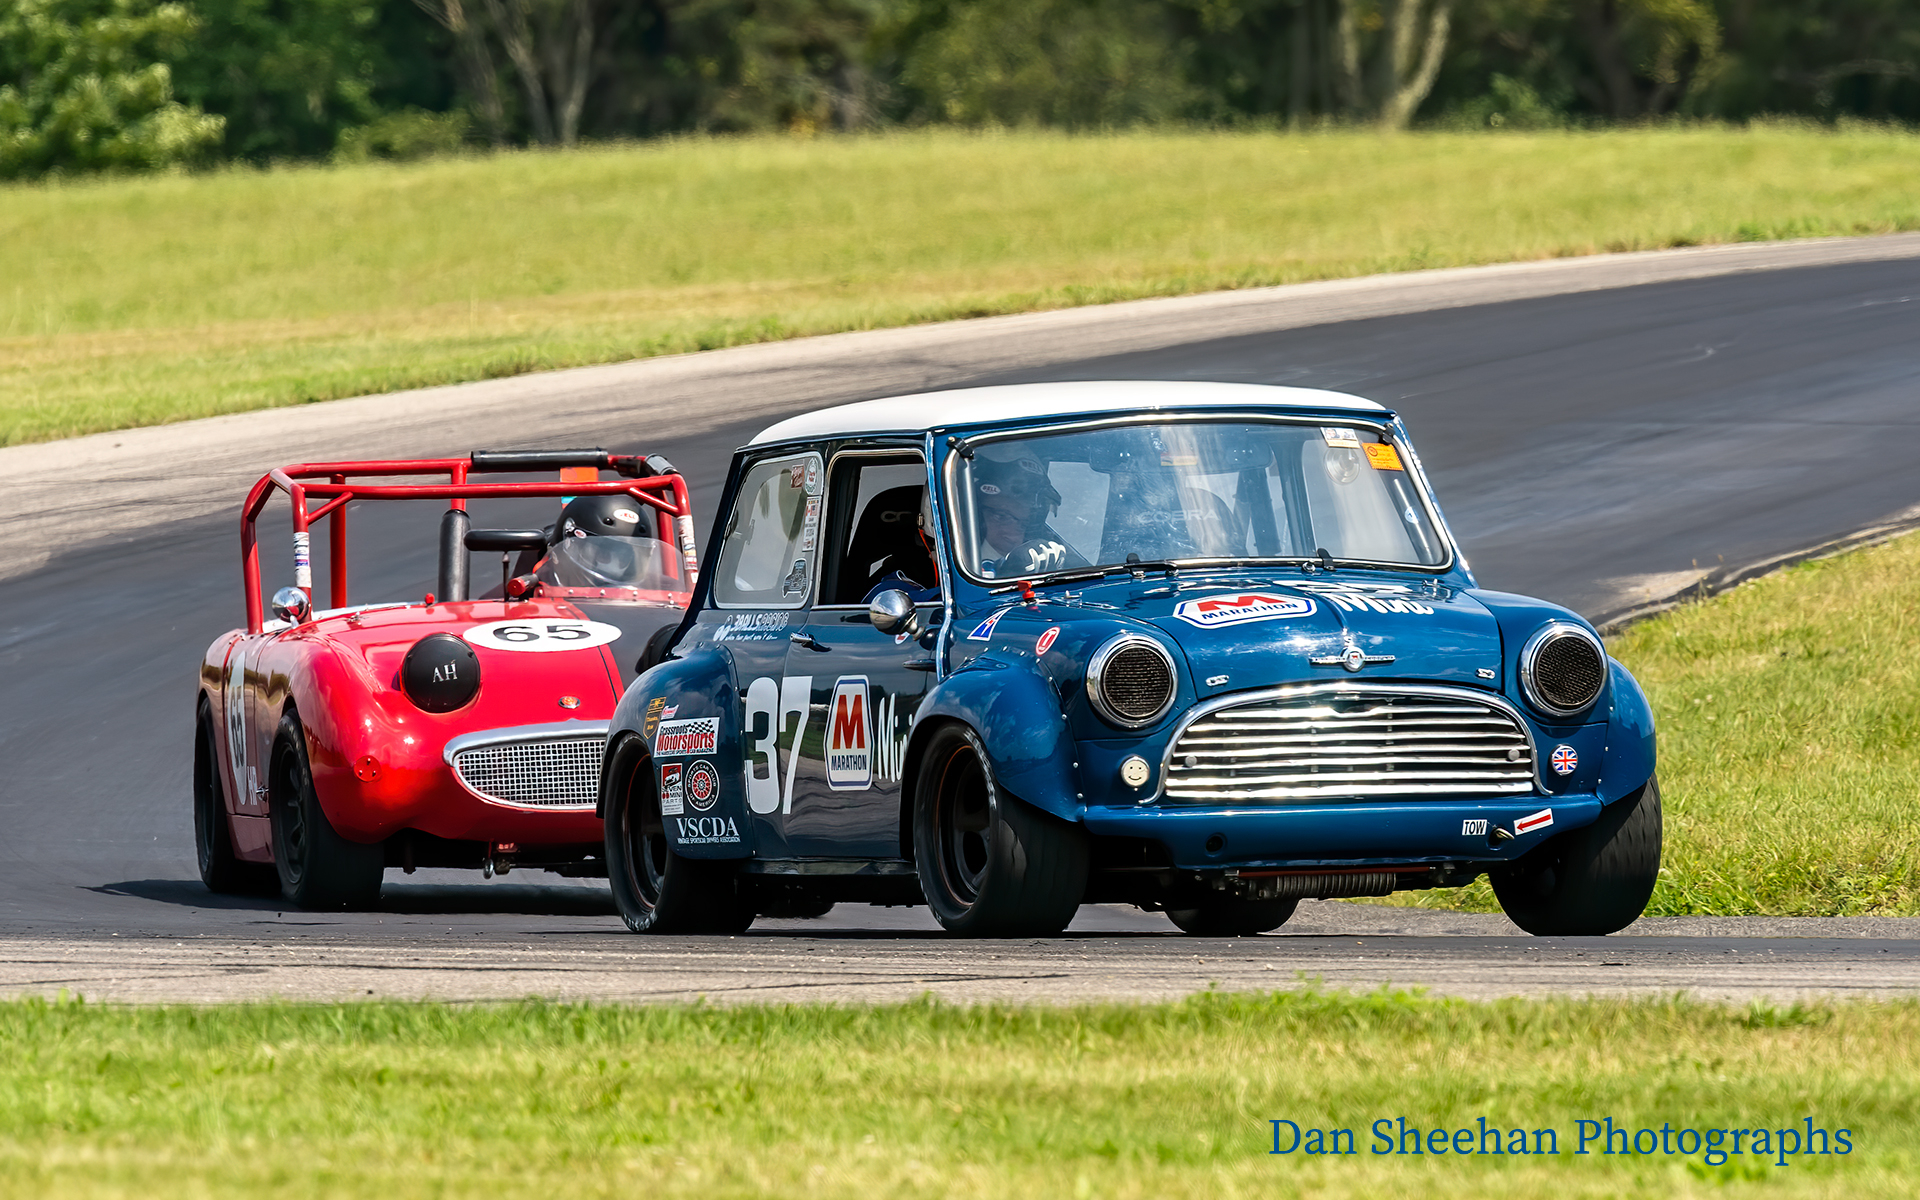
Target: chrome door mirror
[290,604]
[893,611]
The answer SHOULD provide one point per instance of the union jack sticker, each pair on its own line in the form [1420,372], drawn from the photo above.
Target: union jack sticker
[1539,820]
[1564,759]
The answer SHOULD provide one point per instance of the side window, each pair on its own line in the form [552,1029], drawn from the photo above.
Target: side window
[766,559]
[876,529]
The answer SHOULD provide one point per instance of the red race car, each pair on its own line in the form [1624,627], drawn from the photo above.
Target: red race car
[444,732]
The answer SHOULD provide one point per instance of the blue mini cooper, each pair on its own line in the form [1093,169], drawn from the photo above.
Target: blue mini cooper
[1203,648]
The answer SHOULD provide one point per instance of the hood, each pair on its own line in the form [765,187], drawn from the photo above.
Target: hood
[1245,631]
[517,686]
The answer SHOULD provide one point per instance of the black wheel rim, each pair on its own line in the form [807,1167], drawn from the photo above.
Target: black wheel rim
[203,801]
[964,819]
[296,835]
[645,839]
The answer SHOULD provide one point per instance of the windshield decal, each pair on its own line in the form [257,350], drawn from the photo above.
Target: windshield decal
[1239,608]
[1383,457]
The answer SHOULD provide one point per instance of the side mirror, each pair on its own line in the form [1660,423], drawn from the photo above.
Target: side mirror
[893,611]
[291,605]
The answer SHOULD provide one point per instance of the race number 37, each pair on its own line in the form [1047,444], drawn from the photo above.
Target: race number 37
[541,636]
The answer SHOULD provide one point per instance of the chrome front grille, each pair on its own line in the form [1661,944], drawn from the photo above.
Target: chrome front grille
[1341,742]
[553,772]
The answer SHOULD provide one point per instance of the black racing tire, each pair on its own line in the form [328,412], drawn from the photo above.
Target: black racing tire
[318,868]
[220,869]
[1588,882]
[990,864]
[1232,916]
[656,890]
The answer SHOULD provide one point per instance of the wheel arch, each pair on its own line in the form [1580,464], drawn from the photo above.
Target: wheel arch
[626,749]
[1631,755]
[1016,716]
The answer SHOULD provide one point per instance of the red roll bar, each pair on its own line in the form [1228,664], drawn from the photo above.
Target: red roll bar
[660,487]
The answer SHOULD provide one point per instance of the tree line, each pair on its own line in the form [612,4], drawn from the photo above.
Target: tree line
[88,85]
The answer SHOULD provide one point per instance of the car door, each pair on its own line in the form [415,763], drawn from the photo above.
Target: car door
[864,686]
[762,583]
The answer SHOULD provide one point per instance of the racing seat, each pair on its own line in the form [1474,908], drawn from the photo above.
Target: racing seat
[886,540]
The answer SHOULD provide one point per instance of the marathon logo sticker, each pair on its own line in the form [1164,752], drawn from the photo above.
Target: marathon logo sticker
[849,736]
[1539,820]
[684,739]
[703,785]
[983,632]
[673,792]
[705,831]
[1046,640]
[1233,608]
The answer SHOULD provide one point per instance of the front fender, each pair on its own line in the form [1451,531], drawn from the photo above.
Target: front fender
[1630,754]
[1018,716]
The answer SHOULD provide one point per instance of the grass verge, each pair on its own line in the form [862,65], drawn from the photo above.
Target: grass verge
[1788,712]
[142,301]
[403,1100]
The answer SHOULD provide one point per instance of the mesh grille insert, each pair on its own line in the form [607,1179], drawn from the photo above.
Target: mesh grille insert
[1568,672]
[1347,746]
[547,773]
[1136,682]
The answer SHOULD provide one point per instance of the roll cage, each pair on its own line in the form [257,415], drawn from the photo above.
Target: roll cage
[649,479]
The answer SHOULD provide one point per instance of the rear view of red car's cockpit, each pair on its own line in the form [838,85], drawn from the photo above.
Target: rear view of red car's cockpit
[453,730]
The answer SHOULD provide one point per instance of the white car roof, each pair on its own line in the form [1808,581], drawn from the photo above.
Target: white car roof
[1039,401]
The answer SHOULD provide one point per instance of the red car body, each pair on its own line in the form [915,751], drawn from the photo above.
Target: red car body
[312,708]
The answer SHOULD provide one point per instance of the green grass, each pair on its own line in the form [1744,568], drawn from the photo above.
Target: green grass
[140,301]
[1788,712]
[406,1100]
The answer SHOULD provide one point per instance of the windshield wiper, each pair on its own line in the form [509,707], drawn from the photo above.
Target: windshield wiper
[1086,573]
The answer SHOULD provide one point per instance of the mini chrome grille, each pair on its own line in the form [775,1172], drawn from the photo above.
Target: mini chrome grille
[1349,744]
[562,772]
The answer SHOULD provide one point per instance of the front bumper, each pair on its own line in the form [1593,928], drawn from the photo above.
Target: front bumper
[1347,835]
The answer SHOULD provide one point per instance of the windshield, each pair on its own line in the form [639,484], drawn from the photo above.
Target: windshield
[1178,491]
[608,561]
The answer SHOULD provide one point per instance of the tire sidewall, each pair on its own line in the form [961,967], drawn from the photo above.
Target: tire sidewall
[1604,873]
[950,909]
[625,875]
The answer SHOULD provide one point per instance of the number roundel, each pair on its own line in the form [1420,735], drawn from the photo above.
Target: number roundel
[542,635]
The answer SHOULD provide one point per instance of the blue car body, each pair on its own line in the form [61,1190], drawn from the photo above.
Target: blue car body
[753,736]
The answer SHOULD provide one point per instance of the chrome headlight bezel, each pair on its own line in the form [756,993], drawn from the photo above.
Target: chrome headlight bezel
[1103,657]
[1530,653]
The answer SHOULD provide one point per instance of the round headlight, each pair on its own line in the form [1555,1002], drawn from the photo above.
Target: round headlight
[1562,669]
[441,673]
[1130,681]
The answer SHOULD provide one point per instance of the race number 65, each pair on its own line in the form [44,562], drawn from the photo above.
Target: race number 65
[541,636]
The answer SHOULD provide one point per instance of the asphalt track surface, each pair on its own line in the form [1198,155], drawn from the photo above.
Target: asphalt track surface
[1604,448]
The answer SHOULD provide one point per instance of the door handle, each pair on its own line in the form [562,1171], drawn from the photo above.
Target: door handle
[807,640]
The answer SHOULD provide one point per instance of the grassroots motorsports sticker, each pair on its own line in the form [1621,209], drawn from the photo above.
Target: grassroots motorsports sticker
[684,739]
[1239,608]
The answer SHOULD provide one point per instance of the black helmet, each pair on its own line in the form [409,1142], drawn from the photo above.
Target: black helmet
[605,516]
[1024,480]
